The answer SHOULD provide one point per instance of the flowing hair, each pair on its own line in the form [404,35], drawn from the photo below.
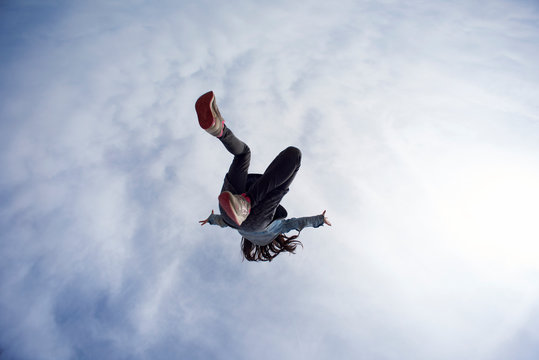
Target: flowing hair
[281,243]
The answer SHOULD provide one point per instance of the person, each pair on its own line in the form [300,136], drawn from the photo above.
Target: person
[250,203]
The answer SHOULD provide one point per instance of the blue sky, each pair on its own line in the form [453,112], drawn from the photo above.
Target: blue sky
[420,137]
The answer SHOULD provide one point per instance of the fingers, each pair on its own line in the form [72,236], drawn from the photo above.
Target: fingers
[204,222]
[326,221]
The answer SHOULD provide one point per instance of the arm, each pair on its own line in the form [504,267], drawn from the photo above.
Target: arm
[309,221]
[214,220]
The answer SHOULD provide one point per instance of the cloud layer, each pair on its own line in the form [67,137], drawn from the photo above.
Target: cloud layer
[419,131]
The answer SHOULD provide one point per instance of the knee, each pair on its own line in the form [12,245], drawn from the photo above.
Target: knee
[293,153]
[246,152]
[243,156]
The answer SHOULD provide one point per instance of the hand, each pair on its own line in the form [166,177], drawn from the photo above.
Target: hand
[326,220]
[204,222]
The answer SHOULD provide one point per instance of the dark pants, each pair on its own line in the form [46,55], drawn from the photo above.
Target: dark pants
[268,190]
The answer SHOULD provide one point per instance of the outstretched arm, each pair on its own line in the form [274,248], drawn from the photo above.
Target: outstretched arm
[308,221]
[213,220]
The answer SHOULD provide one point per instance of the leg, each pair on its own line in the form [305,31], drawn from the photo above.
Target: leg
[268,191]
[209,118]
[277,177]
[264,212]
[236,178]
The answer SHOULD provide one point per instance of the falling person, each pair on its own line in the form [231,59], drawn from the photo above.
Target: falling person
[250,203]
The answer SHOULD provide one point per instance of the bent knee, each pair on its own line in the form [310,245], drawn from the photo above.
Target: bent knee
[293,152]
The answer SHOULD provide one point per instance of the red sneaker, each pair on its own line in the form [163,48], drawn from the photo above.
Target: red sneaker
[237,207]
[209,117]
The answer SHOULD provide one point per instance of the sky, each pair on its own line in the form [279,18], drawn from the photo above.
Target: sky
[418,123]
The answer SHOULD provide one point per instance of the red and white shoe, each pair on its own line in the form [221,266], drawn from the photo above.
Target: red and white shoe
[209,117]
[237,207]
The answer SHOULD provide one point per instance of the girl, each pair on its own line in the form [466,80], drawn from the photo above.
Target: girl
[250,202]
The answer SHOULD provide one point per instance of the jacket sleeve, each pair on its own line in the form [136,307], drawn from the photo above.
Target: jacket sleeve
[302,222]
[216,219]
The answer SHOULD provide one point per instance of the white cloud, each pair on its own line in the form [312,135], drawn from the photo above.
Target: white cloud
[417,126]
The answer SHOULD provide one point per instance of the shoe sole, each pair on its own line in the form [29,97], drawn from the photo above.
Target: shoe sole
[225,200]
[203,108]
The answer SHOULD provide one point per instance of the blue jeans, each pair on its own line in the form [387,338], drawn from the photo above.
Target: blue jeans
[265,191]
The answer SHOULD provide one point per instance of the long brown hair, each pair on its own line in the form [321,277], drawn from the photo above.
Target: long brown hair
[281,243]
